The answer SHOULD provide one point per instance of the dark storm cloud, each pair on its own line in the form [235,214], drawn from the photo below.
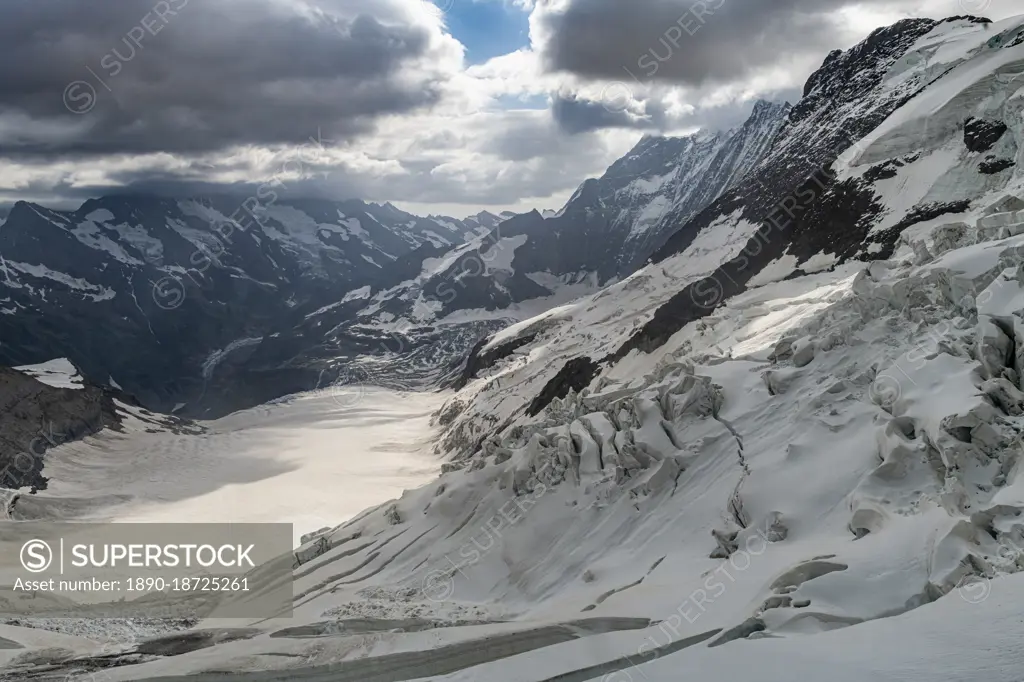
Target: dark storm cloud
[188,76]
[574,115]
[525,154]
[690,42]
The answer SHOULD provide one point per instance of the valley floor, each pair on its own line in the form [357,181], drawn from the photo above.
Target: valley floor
[311,460]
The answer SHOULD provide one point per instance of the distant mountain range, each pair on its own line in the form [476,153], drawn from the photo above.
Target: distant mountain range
[215,303]
[172,283]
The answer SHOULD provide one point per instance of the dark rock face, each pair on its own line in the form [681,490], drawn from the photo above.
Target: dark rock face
[827,121]
[993,166]
[35,417]
[479,361]
[575,375]
[608,227]
[920,214]
[981,135]
[801,208]
[791,228]
[888,169]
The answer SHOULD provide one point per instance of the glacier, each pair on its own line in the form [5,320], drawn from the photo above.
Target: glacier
[799,460]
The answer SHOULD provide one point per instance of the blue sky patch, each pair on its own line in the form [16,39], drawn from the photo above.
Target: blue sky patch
[488,28]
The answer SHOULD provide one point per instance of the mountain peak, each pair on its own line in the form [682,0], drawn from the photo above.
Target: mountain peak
[762,106]
[845,74]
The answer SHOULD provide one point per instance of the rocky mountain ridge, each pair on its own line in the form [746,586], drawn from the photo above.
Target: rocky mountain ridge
[178,285]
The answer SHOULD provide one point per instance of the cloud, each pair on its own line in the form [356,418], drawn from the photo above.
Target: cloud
[575,114]
[660,110]
[218,96]
[497,158]
[703,42]
[683,41]
[190,76]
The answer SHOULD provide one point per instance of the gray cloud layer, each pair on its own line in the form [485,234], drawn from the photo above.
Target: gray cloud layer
[575,114]
[524,155]
[195,76]
[691,42]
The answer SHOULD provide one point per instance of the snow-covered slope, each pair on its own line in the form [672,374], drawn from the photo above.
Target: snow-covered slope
[58,373]
[360,445]
[823,463]
[46,405]
[610,226]
[697,170]
[788,447]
